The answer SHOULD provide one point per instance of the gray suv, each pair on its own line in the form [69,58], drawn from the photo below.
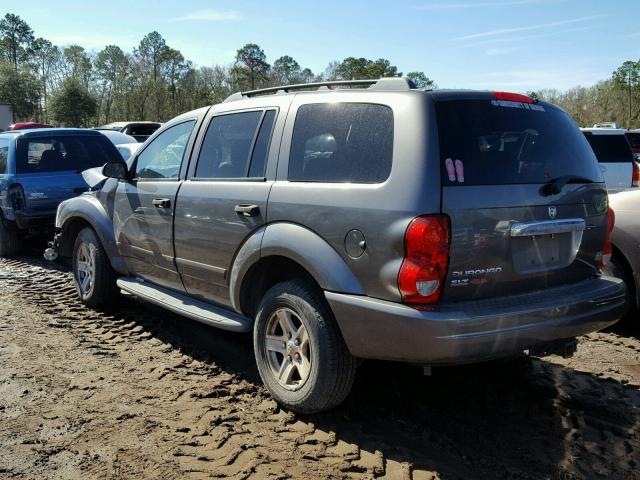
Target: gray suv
[431,227]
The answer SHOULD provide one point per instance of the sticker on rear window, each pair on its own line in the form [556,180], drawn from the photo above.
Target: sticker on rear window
[522,106]
[460,170]
[450,170]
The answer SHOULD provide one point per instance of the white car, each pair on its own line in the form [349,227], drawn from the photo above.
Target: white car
[118,138]
[128,149]
[615,156]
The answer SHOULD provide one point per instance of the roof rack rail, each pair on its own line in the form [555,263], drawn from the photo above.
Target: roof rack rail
[387,83]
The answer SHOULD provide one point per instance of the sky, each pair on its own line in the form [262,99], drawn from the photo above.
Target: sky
[516,45]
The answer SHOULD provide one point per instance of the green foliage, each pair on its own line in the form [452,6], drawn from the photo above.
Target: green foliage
[15,39]
[20,89]
[73,105]
[421,80]
[286,71]
[251,67]
[352,68]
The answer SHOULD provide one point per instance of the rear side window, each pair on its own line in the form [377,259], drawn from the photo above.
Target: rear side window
[610,148]
[342,142]
[65,152]
[261,149]
[485,142]
[227,145]
[4,155]
[634,140]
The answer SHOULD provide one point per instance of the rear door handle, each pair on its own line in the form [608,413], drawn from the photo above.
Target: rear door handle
[247,210]
[161,202]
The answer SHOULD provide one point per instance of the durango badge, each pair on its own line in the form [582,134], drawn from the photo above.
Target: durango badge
[553,211]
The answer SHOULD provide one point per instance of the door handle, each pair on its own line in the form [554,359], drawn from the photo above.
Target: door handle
[247,210]
[161,202]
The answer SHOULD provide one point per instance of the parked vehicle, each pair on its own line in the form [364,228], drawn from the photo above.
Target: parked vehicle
[616,159]
[436,227]
[6,116]
[28,126]
[118,138]
[634,140]
[139,130]
[625,259]
[39,169]
[128,149]
[605,125]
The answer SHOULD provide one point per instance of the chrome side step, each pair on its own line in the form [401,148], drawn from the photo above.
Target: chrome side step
[183,305]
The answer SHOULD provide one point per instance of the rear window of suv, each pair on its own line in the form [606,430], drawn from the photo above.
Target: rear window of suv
[492,142]
[59,153]
[610,148]
[342,142]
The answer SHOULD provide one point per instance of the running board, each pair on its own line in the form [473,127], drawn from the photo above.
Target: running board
[186,306]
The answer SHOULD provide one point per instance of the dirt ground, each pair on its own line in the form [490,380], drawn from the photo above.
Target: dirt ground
[135,392]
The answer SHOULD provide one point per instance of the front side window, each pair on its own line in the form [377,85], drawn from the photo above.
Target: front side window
[64,152]
[342,142]
[4,155]
[163,157]
[227,145]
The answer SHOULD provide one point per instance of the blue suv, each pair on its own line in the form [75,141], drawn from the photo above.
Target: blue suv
[38,170]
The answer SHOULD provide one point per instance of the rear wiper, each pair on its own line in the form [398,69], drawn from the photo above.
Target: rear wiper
[555,185]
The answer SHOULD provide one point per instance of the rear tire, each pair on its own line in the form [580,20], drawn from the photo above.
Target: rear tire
[315,366]
[93,276]
[9,240]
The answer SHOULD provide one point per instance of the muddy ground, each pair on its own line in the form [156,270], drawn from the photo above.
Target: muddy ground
[135,392]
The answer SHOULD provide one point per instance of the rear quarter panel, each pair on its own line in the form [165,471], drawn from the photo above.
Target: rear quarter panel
[380,211]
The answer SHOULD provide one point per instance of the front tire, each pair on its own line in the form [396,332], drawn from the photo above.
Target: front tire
[93,276]
[300,353]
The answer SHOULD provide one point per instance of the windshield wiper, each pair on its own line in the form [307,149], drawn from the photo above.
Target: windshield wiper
[555,185]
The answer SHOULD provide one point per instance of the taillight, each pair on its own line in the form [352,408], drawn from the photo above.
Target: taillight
[16,196]
[426,259]
[635,177]
[607,248]
[512,97]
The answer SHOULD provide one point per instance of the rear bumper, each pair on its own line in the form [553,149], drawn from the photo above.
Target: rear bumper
[39,219]
[479,330]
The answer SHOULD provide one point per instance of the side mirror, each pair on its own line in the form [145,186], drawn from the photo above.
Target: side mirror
[117,170]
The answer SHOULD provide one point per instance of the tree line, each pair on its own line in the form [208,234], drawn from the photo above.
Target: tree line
[71,86]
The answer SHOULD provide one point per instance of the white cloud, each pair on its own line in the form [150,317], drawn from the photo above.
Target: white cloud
[209,15]
[559,75]
[459,6]
[498,51]
[502,31]
[91,41]
[499,40]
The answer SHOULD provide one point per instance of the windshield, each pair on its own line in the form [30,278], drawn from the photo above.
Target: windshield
[610,148]
[59,153]
[492,142]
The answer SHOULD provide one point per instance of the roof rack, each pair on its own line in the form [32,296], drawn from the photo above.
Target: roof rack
[388,84]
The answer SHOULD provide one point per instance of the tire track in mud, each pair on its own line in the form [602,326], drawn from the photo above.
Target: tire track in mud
[156,396]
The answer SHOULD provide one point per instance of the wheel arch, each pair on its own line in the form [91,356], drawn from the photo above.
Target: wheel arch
[79,212]
[283,251]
